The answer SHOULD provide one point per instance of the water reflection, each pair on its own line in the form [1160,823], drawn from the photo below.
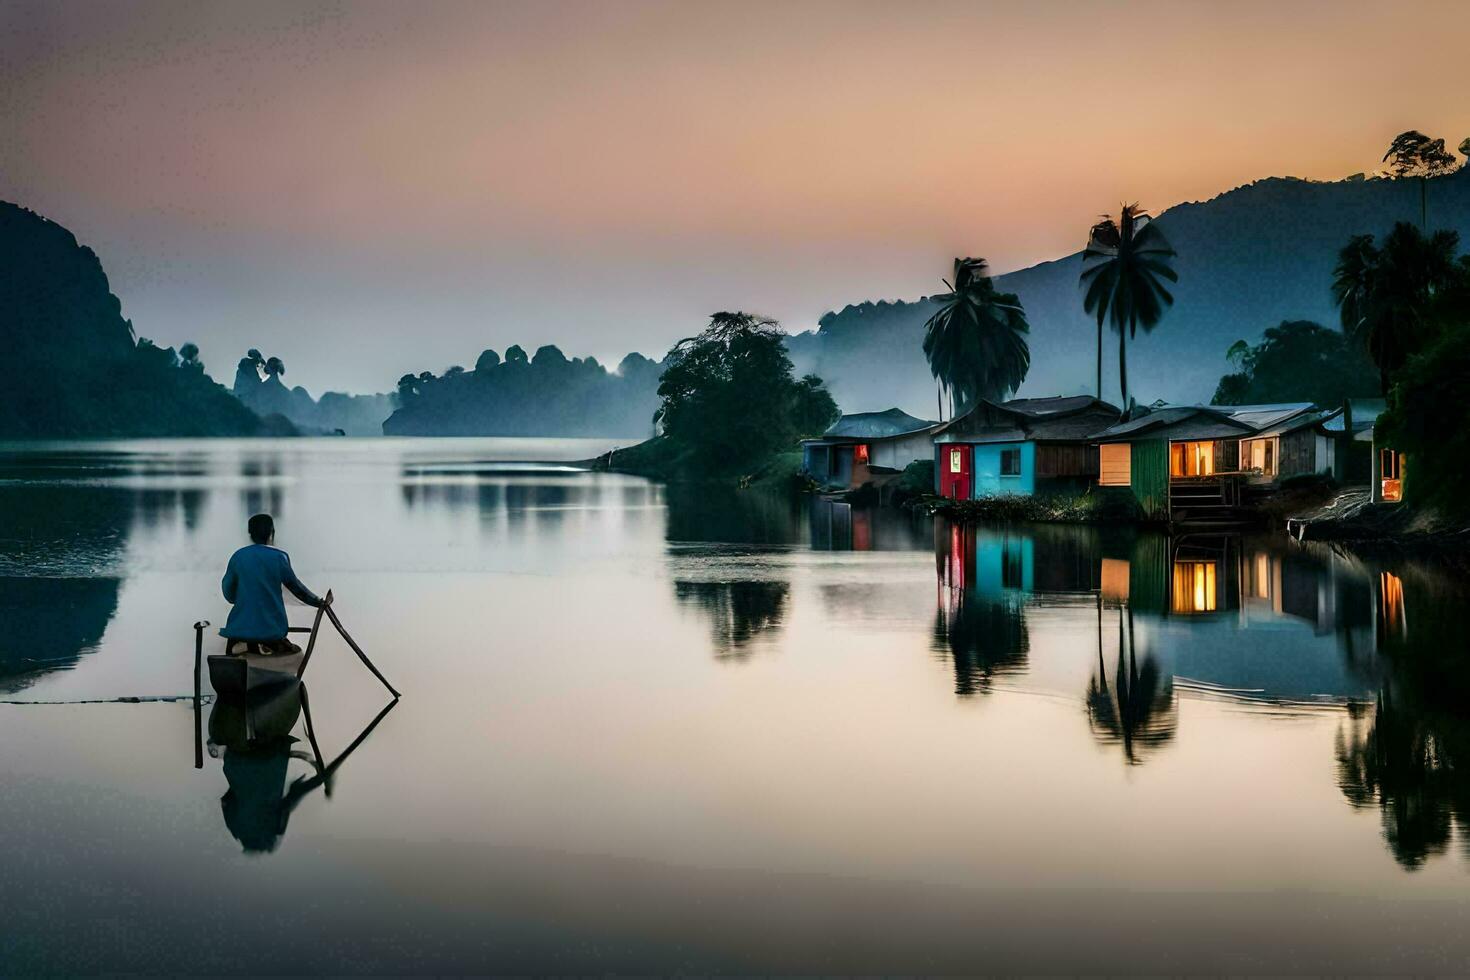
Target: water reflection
[980,622]
[1138,709]
[1407,753]
[254,736]
[50,623]
[1097,650]
[68,520]
[739,613]
[262,477]
[835,525]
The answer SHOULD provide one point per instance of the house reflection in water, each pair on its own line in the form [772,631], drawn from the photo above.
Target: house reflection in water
[835,525]
[979,621]
[1183,606]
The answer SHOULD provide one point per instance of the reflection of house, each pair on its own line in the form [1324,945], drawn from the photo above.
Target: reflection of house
[1023,446]
[1203,575]
[837,525]
[859,448]
[1185,461]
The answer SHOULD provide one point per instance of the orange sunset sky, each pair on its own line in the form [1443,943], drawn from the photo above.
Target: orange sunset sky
[365,189]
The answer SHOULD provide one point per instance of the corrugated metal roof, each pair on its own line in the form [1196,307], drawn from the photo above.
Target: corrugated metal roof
[876,425]
[1073,418]
[1048,406]
[1178,422]
[1303,421]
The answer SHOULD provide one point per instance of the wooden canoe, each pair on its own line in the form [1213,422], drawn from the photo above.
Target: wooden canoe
[243,675]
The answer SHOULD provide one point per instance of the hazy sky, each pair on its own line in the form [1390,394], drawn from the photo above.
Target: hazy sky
[365,189]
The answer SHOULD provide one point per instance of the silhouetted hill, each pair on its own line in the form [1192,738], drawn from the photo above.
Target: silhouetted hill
[265,393]
[1248,259]
[546,395]
[72,366]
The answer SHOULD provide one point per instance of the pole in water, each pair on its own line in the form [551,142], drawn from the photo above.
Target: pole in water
[332,615]
[199,629]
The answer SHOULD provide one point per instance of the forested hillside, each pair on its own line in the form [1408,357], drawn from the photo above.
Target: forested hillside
[1247,260]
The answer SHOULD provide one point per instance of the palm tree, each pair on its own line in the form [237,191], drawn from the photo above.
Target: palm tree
[1352,282]
[1386,297]
[976,341]
[1124,268]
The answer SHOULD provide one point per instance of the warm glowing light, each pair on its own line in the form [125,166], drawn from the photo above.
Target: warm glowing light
[1115,578]
[1391,475]
[1391,619]
[1192,458]
[1194,587]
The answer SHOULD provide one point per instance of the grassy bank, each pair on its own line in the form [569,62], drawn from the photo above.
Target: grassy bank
[659,459]
[1099,505]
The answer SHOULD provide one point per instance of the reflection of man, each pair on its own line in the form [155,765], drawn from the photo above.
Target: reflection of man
[252,583]
[257,745]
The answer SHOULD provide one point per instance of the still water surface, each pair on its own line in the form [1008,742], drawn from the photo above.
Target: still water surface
[651,730]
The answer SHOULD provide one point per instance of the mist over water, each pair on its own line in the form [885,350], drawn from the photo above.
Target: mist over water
[651,728]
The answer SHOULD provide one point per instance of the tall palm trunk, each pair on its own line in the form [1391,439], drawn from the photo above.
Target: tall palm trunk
[1123,365]
[1099,360]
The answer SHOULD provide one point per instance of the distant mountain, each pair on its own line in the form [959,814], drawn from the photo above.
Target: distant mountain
[72,365]
[544,395]
[1248,259]
[265,393]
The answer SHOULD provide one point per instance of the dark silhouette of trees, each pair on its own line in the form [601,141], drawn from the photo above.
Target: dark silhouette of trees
[729,401]
[1391,299]
[1414,155]
[1297,360]
[1124,268]
[976,341]
[189,354]
[815,408]
[75,367]
[547,395]
[1428,418]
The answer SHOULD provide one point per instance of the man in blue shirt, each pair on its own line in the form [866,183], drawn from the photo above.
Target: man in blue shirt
[252,584]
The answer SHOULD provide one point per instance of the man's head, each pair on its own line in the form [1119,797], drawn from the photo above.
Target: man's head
[262,529]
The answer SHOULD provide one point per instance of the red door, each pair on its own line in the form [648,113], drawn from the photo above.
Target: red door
[954,471]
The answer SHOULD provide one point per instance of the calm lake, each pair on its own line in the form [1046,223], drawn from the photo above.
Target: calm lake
[654,730]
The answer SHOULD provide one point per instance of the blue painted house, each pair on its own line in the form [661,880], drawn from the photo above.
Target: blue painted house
[868,447]
[1023,446]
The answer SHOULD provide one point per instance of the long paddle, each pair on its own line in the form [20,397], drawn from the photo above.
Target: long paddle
[326,607]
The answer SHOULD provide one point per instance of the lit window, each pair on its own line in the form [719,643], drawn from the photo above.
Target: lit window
[1258,455]
[1391,466]
[1192,459]
[860,452]
[1010,462]
[955,464]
